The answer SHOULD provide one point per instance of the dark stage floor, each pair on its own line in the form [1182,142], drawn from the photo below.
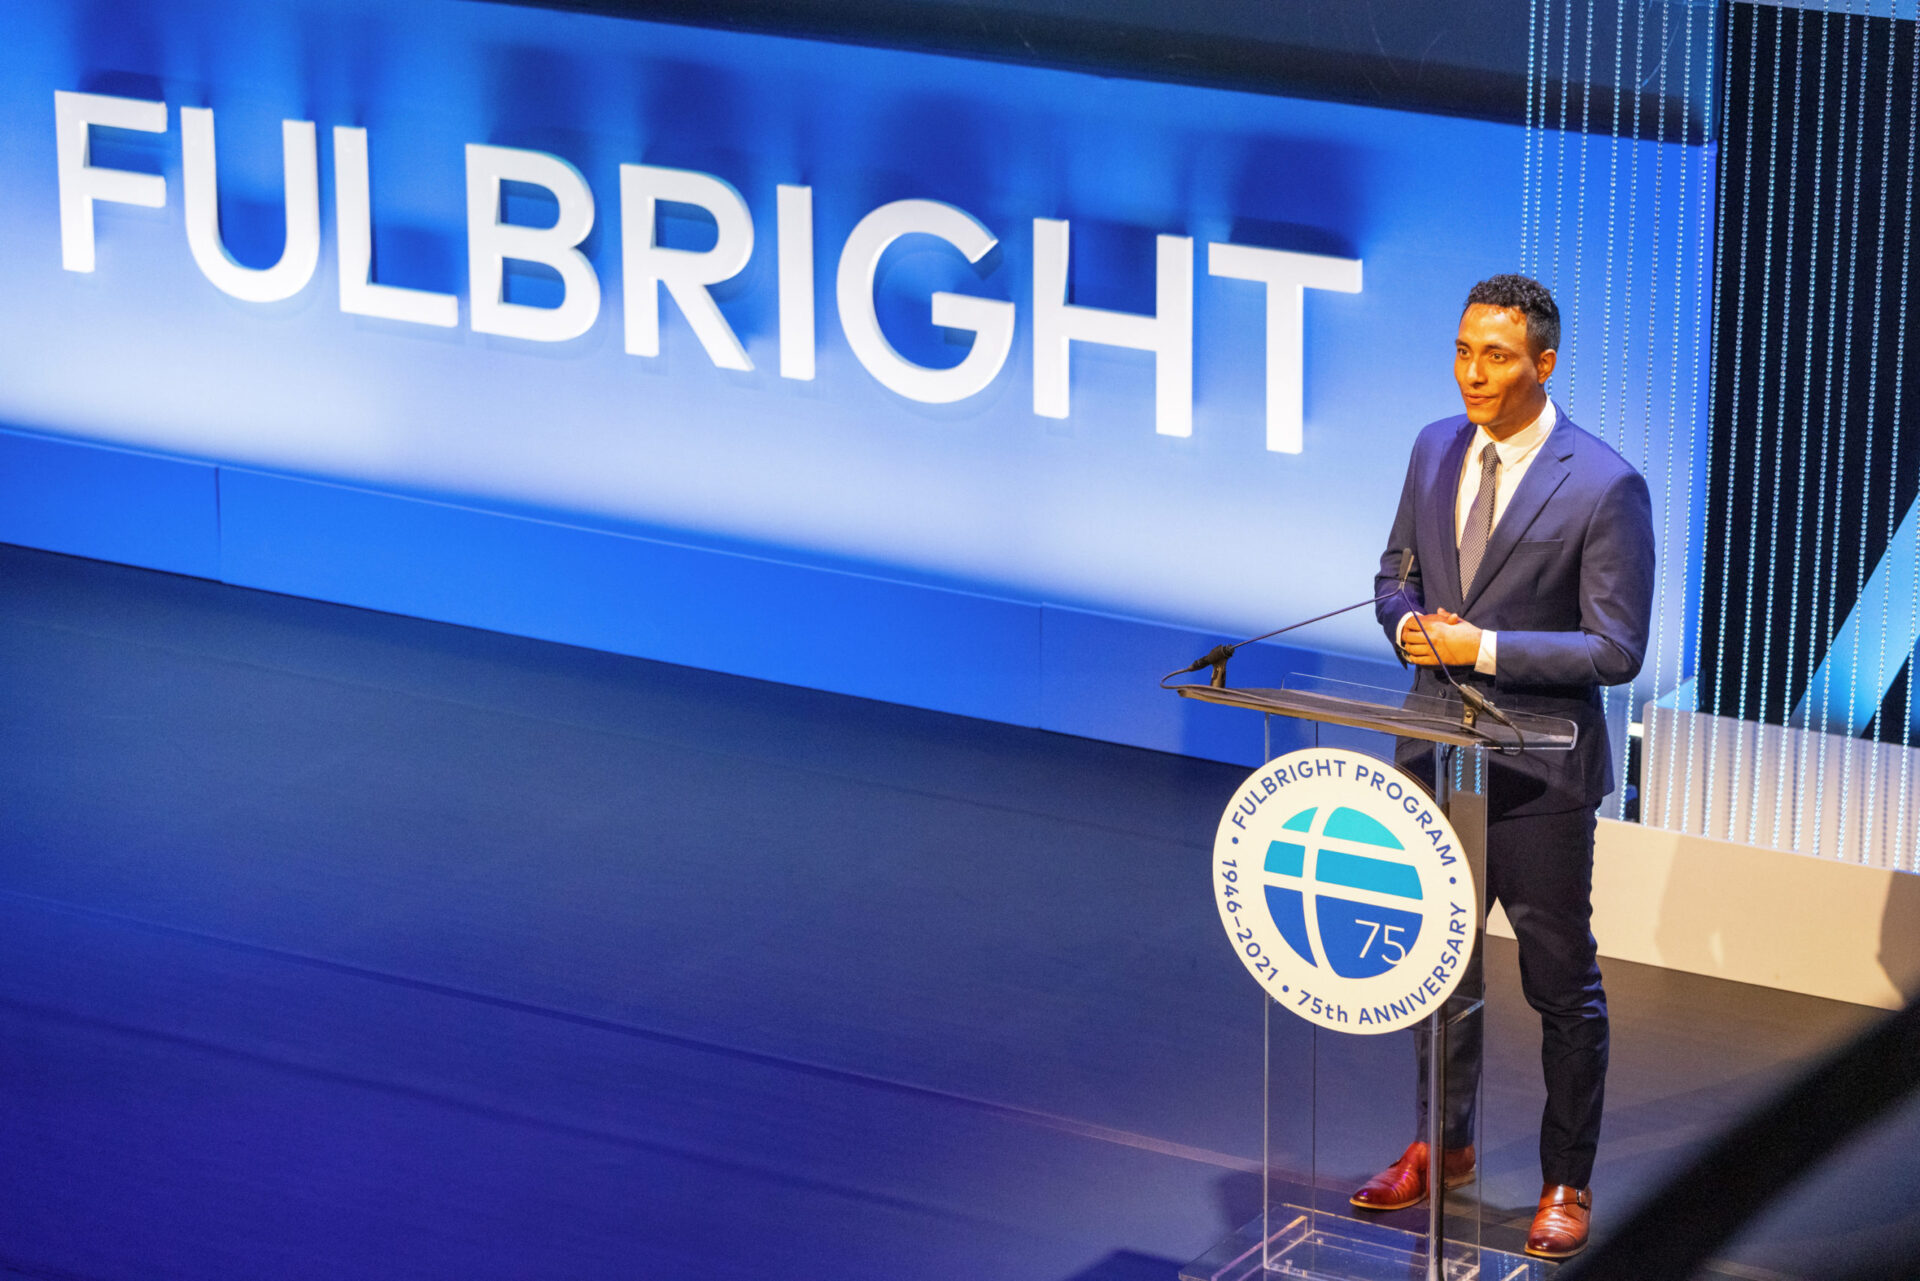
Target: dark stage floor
[341,945]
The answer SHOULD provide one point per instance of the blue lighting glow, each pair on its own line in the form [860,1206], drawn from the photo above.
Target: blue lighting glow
[1096,510]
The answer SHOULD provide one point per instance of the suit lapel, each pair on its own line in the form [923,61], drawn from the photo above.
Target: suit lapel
[1439,532]
[1548,472]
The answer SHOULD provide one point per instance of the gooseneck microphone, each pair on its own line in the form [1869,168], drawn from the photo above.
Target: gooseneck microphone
[1471,697]
[1476,703]
[1217,657]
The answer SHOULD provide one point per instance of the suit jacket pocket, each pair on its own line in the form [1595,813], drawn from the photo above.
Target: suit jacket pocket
[1537,596]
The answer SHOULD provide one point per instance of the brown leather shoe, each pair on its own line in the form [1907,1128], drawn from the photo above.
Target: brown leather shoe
[1560,1224]
[1404,1183]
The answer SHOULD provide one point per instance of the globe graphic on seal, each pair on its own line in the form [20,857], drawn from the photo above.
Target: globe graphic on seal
[1342,894]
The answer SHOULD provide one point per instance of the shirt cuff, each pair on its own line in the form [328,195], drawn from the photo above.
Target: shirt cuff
[1489,646]
[1400,632]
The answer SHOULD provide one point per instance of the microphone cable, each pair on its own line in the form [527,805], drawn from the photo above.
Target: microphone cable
[1473,699]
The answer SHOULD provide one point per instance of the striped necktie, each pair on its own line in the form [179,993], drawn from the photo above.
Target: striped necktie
[1473,539]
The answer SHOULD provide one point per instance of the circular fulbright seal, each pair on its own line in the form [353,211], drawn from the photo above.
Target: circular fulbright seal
[1344,890]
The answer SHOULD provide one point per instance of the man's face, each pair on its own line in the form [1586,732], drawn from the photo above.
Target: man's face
[1500,378]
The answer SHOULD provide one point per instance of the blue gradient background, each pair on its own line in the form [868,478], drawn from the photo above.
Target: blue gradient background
[1095,512]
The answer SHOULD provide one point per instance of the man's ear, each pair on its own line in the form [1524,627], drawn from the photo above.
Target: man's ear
[1544,362]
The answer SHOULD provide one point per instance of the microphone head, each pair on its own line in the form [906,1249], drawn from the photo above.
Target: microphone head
[1218,654]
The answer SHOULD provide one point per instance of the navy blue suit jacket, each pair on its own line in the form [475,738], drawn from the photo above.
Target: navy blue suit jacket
[1567,582]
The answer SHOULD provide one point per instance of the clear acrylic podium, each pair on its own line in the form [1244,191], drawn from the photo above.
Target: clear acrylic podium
[1339,1107]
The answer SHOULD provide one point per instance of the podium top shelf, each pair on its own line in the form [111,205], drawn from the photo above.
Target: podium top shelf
[1396,712]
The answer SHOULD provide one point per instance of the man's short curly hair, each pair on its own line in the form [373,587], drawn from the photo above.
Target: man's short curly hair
[1528,296]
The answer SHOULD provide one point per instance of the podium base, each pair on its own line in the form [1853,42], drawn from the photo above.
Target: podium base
[1295,1242]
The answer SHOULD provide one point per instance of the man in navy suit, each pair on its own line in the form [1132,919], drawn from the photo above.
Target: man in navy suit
[1532,581]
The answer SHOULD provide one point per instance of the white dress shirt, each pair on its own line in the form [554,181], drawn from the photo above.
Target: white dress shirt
[1516,454]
